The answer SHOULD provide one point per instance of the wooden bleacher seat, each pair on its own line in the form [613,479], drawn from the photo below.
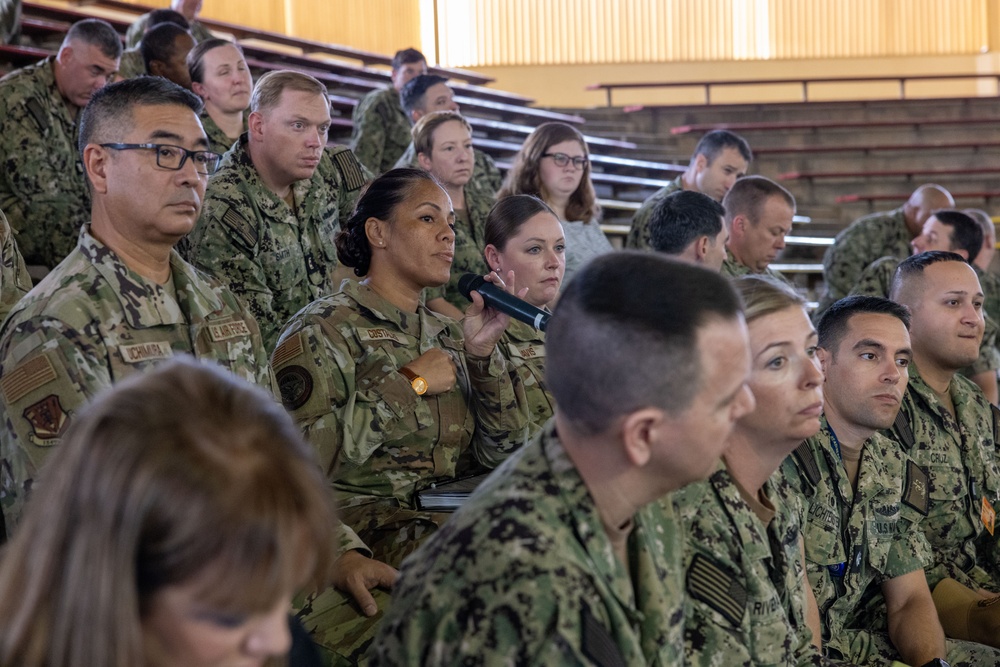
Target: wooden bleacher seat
[785,126]
[873,148]
[888,173]
[902,197]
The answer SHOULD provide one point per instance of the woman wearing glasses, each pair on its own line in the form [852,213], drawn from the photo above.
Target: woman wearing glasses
[554,165]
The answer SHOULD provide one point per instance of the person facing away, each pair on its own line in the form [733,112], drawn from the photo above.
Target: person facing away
[562,555]
[691,227]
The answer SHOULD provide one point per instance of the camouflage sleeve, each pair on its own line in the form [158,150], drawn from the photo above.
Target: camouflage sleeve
[638,235]
[845,261]
[51,371]
[876,279]
[14,279]
[368,134]
[488,179]
[345,175]
[502,415]
[989,356]
[135,32]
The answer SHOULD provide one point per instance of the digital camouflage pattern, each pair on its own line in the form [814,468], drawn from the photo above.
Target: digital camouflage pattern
[960,457]
[272,257]
[14,279]
[92,322]
[639,235]
[10,21]
[218,142]
[876,280]
[731,268]
[470,243]
[138,28]
[486,177]
[381,131]
[525,574]
[744,579]
[43,189]
[379,442]
[863,242]
[131,65]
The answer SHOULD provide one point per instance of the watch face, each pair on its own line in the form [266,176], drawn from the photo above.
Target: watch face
[419,385]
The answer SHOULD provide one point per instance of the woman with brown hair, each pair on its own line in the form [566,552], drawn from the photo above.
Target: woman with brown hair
[554,165]
[181,514]
[221,77]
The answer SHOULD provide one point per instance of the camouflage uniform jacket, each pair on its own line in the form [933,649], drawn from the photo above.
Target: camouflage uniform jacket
[337,366]
[639,236]
[731,268]
[92,322]
[381,130]
[864,241]
[745,595]
[43,189]
[486,177]
[525,574]
[138,28]
[275,259]
[856,540]
[960,457]
[876,280]
[524,347]
[218,142]
[14,279]
[131,64]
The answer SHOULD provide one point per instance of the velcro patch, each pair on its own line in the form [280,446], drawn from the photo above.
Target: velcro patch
[38,113]
[597,643]
[234,329]
[290,348]
[245,232]
[26,378]
[380,334]
[715,586]
[902,426]
[915,488]
[296,385]
[350,169]
[807,463]
[134,354]
[48,420]
[526,351]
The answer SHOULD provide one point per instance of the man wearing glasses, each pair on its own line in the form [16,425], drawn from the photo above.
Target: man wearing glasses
[123,300]
[274,208]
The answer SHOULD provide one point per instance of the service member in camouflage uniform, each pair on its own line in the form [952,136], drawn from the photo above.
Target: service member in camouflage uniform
[381,129]
[274,207]
[189,9]
[429,92]
[865,499]
[748,600]
[759,214]
[14,279]
[123,300]
[956,232]
[131,64]
[393,397]
[220,76]
[563,557]
[43,190]
[877,235]
[946,425]
[718,160]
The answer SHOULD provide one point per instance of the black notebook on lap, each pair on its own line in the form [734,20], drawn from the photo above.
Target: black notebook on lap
[449,496]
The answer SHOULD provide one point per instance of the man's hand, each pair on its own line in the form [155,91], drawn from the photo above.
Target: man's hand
[355,574]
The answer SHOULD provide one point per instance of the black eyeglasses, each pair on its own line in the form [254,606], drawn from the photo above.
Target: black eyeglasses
[174,157]
[561,160]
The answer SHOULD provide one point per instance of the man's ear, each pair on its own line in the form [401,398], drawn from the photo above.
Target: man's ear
[641,431]
[156,68]
[700,163]
[701,247]
[825,358]
[95,162]
[255,124]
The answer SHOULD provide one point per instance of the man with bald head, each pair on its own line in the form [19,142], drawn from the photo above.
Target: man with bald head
[877,235]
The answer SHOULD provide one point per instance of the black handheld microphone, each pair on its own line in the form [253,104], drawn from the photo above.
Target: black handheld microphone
[506,303]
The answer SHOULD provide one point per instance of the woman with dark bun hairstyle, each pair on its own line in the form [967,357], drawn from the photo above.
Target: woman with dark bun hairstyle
[181,514]
[393,397]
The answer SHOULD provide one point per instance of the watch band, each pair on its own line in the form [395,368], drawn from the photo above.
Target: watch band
[418,383]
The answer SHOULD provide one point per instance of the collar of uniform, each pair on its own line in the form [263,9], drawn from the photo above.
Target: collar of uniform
[924,394]
[752,532]
[238,159]
[144,303]
[424,321]
[46,76]
[525,333]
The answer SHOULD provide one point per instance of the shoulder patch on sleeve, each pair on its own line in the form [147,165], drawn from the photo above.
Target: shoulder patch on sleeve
[290,348]
[807,463]
[245,232]
[48,420]
[915,488]
[296,386]
[712,584]
[902,426]
[26,378]
[597,642]
[349,168]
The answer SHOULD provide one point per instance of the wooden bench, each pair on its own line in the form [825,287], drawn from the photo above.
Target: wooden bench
[887,173]
[491,126]
[785,126]
[902,197]
[872,148]
[21,56]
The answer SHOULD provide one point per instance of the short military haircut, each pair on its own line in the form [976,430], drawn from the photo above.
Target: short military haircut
[159,16]
[423,129]
[267,93]
[716,141]
[681,218]
[96,33]
[108,116]
[833,324]
[619,341]
[912,269]
[413,93]
[748,196]
[985,223]
[966,234]
[160,43]
[405,57]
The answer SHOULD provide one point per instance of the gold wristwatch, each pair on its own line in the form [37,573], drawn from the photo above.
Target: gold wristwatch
[418,383]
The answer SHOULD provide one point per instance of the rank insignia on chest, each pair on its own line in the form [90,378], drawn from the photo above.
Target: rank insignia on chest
[48,420]
[988,515]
